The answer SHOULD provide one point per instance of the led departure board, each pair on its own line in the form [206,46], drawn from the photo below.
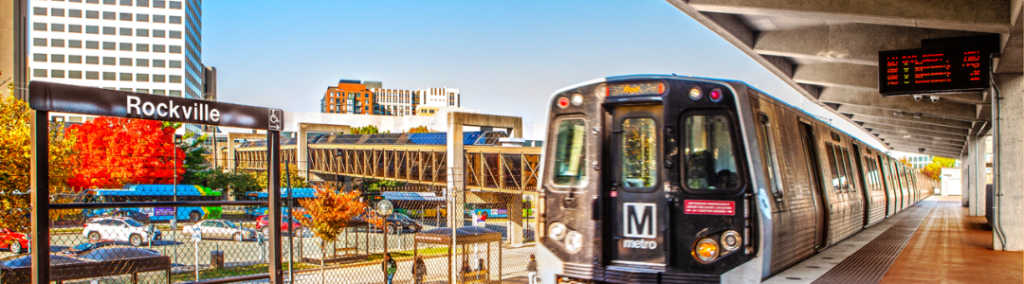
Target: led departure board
[922,71]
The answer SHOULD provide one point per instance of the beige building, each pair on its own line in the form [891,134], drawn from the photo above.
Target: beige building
[6,46]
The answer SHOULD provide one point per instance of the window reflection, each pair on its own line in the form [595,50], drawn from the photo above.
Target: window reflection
[708,156]
[570,151]
[639,150]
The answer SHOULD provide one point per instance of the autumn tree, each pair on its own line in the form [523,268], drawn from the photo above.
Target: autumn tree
[933,171]
[15,162]
[420,129]
[293,172]
[327,215]
[113,152]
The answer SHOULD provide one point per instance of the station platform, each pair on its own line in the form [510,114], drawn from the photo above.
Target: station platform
[934,241]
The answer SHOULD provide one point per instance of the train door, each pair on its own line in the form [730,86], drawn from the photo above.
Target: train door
[887,186]
[864,186]
[637,202]
[814,174]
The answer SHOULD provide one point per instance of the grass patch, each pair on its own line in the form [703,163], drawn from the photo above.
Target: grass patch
[231,272]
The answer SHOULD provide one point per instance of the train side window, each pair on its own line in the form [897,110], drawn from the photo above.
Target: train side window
[639,152]
[849,184]
[836,180]
[771,159]
[570,153]
[843,179]
[709,159]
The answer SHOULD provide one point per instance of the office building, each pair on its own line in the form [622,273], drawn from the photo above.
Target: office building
[349,96]
[145,46]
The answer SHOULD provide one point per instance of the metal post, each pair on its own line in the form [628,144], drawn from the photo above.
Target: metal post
[40,198]
[291,220]
[174,218]
[274,205]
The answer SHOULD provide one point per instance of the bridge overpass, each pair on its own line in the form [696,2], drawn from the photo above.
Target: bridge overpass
[829,52]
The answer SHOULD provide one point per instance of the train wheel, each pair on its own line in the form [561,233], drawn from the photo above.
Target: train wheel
[15,247]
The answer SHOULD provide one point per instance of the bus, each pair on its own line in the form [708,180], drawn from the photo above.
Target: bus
[297,193]
[496,210]
[157,193]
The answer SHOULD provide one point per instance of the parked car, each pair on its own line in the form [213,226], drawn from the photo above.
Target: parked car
[120,229]
[396,223]
[261,224]
[16,242]
[220,229]
[100,262]
[86,247]
[131,214]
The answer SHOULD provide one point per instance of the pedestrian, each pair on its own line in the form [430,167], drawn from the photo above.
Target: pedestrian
[419,269]
[531,269]
[389,267]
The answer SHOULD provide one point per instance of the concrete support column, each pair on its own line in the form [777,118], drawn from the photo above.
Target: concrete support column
[455,193]
[964,177]
[1008,164]
[515,219]
[976,168]
[301,151]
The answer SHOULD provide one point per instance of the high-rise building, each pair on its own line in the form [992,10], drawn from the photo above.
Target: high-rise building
[146,46]
[356,97]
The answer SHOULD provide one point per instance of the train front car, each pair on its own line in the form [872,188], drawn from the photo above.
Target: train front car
[647,180]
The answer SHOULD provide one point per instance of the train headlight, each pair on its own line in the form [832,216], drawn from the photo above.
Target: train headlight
[557,231]
[706,250]
[695,93]
[731,240]
[574,241]
[577,99]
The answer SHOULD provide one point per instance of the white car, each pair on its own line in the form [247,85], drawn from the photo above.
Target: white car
[220,229]
[120,229]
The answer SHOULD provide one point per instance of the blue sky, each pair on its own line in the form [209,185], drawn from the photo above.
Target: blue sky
[506,56]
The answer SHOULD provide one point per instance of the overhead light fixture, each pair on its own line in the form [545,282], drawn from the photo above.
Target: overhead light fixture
[898,113]
[906,136]
[917,115]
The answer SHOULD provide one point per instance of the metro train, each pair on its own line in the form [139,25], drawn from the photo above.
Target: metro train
[671,179]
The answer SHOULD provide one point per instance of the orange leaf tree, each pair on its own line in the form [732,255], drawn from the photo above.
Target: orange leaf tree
[327,214]
[117,151]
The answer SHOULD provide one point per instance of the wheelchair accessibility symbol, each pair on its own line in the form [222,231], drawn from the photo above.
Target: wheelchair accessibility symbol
[275,120]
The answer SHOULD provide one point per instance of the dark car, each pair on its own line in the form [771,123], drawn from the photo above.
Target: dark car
[101,262]
[134,215]
[86,247]
[396,223]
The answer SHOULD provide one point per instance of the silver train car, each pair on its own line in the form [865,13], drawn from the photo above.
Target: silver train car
[668,179]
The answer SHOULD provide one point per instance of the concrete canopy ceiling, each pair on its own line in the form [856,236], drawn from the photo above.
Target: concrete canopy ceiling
[828,51]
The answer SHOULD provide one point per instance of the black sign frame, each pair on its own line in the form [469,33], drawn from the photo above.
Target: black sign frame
[959,74]
[103,102]
[45,97]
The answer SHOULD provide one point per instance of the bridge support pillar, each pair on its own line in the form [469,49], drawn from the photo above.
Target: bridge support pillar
[1008,164]
[515,219]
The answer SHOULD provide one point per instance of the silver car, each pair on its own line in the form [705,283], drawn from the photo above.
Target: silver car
[220,229]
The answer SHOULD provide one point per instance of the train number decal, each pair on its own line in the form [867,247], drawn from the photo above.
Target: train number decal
[639,220]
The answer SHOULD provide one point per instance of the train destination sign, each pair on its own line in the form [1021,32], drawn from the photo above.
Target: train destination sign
[95,101]
[923,71]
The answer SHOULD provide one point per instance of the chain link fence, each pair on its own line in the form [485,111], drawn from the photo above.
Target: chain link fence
[118,239]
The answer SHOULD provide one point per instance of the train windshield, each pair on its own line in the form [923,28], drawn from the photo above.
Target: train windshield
[570,153]
[709,158]
[639,150]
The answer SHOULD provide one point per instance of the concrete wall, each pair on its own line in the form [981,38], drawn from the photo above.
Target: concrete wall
[1009,164]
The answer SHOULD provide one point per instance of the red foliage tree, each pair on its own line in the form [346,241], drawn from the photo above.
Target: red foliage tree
[113,152]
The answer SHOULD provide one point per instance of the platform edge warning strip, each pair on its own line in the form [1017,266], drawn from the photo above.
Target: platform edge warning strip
[871,262]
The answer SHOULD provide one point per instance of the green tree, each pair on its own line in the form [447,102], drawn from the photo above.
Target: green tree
[197,166]
[369,129]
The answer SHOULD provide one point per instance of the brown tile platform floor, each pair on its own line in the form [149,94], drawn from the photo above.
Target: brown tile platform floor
[951,247]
